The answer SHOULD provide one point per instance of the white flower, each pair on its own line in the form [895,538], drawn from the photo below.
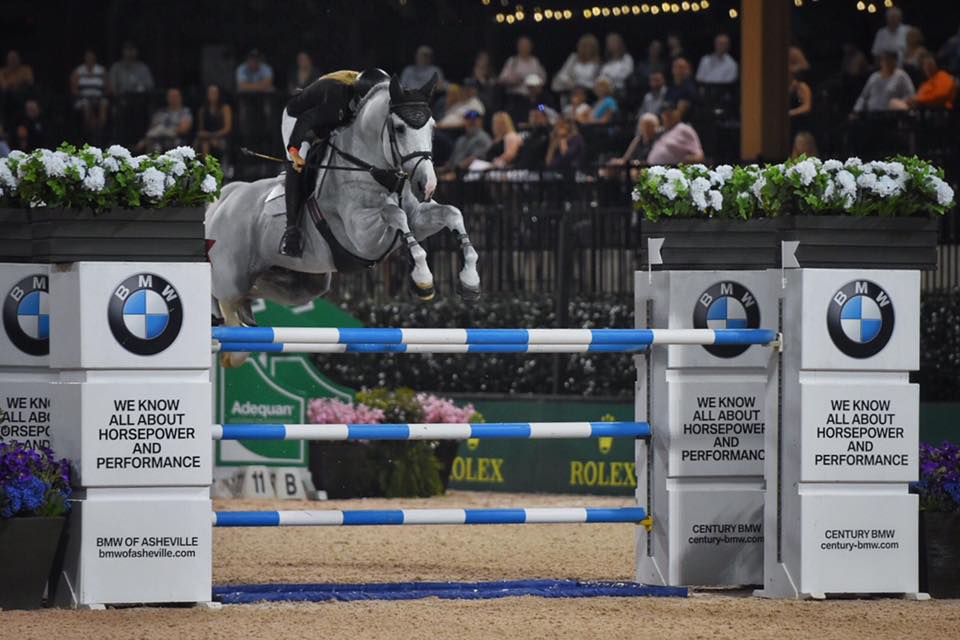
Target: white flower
[867,181]
[6,176]
[95,180]
[758,186]
[209,185]
[96,152]
[699,168]
[807,171]
[832,165]
[112,164]
[829,190]
[76,164]
[944,192]
[178,168]
[886,187]
[669,190]
[657,171]
[169,182]
[674,175]
[698,192]
[716,200]
[725,171]
[181,153]
[153,182]
[635,194]
[117,151]
[853,162]
[136,162]
[848,188]
[17,155]
[54,164]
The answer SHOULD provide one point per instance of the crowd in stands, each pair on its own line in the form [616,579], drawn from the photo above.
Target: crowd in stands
[604,108]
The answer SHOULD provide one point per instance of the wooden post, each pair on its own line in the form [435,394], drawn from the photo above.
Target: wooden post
[764,38]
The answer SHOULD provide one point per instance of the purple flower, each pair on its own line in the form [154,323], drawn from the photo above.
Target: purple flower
[32,482]
[939,483]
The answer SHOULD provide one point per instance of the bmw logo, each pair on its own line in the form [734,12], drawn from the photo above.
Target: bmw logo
[25,316]
[726,305]
[145,314]
[860,319]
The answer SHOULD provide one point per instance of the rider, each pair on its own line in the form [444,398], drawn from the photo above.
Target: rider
[312,114]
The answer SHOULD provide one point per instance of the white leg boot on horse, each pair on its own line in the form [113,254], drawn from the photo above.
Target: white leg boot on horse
[432,216]
[422,278]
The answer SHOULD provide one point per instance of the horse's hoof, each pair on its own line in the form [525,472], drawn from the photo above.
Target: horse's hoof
[424,292]
[468,293]
[215,320]
[232,360]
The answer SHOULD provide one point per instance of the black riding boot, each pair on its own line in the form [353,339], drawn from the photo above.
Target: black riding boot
[291,245]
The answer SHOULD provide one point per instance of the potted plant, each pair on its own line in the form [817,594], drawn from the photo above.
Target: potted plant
[939,490]
[34,492]
[90,204]
[843,214]
[385,467]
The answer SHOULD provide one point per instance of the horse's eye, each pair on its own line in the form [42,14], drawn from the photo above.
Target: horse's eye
[401,129]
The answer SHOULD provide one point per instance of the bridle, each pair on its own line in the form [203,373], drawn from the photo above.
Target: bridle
[393,178]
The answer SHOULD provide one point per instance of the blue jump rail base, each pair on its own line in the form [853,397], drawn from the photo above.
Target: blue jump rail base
[246,594]
[382,517]
[388,336]
[494,430]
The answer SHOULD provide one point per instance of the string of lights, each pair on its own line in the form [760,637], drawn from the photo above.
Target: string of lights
[517,14]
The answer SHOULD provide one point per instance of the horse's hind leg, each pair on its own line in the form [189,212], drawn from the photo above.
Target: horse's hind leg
[431,216]
[421,275]
[232,318]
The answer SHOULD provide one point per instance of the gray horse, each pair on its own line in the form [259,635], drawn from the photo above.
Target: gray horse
[351,207]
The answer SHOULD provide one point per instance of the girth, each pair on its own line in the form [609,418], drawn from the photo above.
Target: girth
[344,260]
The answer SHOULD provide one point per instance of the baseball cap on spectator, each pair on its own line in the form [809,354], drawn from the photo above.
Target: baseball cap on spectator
[472,115]
[533,80]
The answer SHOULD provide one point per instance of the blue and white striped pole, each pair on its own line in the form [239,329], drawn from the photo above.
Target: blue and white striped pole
[314,335]
[442,431]
[307,347]
[333,518]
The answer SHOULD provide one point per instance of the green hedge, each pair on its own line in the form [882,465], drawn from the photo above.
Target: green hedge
[580,374]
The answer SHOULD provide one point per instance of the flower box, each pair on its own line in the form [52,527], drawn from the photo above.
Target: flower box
[28,547]
[940,553]
[840,242]
[706,244]
[172,234]
[345,470]
[14,235]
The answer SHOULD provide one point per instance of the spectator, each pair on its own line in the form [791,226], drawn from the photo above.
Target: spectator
[913,55]
[31,132]
[804,144]
[536,140]
[537,96]
[653,99]
[674,46]
[619,64]
[654,61]
[168,126]
[470,146]
[578,109]
[506,142]
[606,108]
[15,76]
[892,36]
[936,92]
[679,142]
[460,101]
[884,85]
[254,75]
[485,79]
[16,80]
[683,92]
[214,124]
[304,72]
[950,53]
[566,149]
[854,63]
[129,74]
[581,67]
[801,103]
[88,86]
[419,73]
[797,62]
[518,68]
[639,148]
[718,67]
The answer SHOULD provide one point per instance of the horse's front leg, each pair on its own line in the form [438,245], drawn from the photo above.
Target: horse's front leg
[432,216]
[422,278]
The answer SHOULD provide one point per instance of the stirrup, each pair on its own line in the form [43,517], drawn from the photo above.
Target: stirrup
[291,244]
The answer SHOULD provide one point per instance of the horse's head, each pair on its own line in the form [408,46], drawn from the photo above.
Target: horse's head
[409,141]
